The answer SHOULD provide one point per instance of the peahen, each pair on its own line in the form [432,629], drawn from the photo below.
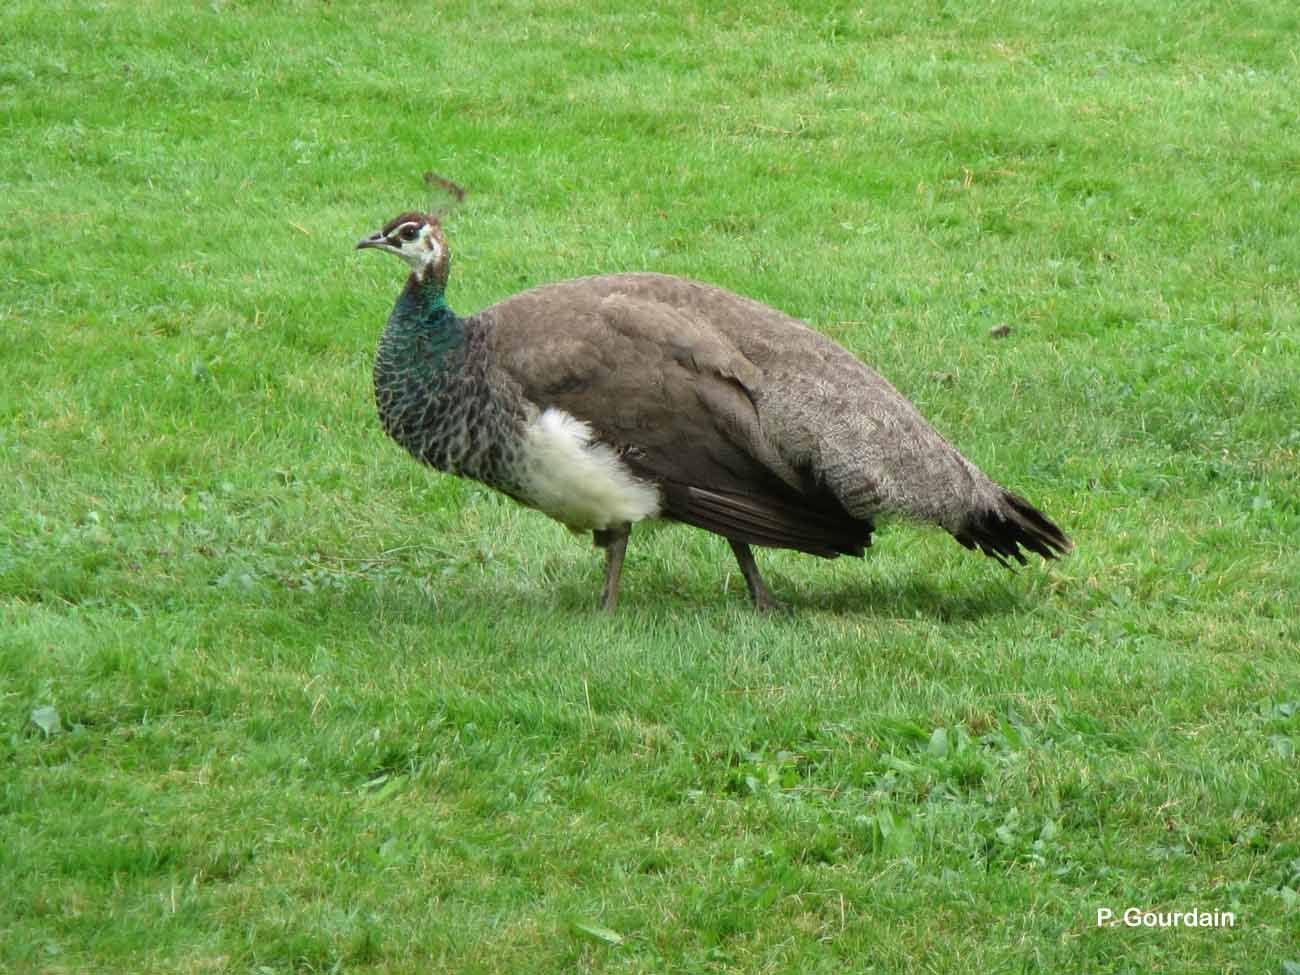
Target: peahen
[603,401]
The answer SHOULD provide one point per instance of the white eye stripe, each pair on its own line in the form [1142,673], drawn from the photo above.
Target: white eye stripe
[398,232]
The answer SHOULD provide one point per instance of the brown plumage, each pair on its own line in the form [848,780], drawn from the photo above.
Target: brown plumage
[605,400]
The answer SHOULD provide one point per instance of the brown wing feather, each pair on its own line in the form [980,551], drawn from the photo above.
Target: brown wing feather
[676,396]
[763,520]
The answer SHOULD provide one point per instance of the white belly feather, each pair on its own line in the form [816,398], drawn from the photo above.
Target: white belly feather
[582,484]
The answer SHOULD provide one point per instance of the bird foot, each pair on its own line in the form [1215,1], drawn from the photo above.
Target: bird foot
[759,595]
[766,603]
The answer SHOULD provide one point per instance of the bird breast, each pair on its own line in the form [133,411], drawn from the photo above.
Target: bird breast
[578,481]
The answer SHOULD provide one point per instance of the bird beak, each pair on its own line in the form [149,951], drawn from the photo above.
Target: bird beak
[374,240]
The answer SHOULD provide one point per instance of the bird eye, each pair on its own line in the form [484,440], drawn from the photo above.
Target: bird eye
[408,232]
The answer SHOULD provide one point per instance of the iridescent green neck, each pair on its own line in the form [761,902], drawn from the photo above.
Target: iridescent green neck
[422,330]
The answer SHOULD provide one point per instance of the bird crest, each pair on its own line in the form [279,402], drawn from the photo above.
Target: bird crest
[453,190]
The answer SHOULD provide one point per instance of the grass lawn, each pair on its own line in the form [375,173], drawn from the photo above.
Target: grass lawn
[275,699]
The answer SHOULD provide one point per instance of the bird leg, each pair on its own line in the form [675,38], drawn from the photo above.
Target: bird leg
[614,542]
[763,600]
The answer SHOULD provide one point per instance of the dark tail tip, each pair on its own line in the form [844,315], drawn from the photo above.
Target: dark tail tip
[1002,532]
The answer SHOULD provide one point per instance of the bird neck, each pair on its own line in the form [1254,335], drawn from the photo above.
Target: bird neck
[422,331]
[430,389]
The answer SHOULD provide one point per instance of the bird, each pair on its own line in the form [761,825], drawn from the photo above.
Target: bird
[610,400]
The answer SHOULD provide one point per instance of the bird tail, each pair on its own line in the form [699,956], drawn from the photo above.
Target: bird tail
[1011,524]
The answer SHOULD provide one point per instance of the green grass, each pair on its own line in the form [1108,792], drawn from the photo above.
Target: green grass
[321,710]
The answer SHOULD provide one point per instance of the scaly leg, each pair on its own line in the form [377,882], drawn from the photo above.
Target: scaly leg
[614,542]
[763,600]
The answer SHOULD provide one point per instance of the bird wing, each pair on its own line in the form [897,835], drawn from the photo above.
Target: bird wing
[655,379]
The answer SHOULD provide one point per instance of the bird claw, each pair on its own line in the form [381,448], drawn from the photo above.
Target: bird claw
[769,604]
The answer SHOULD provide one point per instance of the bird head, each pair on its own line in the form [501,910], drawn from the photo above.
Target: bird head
[417,239]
